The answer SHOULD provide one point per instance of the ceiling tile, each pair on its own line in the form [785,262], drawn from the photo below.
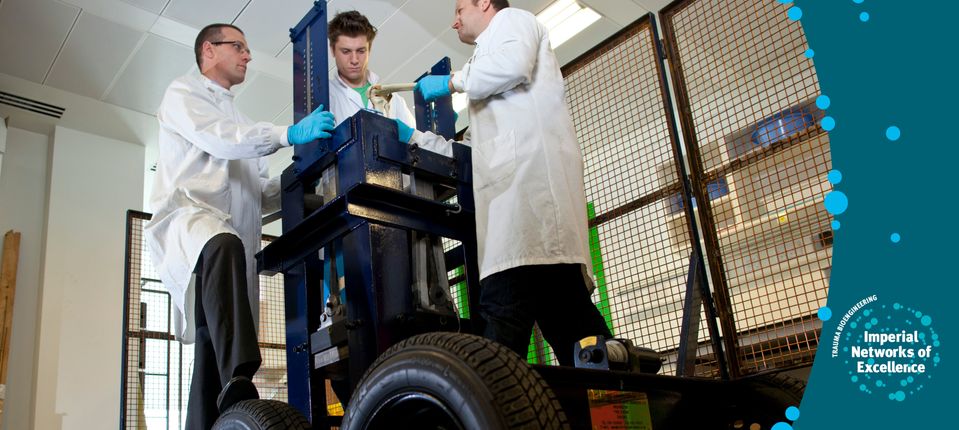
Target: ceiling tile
[154,6]
[157,63]
[408,33]
[44,23]
[267,27]
[117,11]
[653,5]
[265,97]
[535,6]
[377,11]
[175,31]
[199,14]
[120,12]
[622,12]
[447,45]
[589,38]
[83,66]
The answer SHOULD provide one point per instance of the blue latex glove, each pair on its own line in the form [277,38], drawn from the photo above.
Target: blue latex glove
[404,131]
[316,125]
[433,87]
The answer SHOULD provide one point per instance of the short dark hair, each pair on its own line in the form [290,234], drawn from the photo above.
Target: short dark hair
[497,4]
[210,33]
[351,24]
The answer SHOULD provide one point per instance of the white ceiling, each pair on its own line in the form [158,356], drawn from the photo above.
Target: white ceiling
[125,52]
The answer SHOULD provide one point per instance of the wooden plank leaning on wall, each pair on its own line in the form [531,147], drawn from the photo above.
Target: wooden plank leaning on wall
[8,286]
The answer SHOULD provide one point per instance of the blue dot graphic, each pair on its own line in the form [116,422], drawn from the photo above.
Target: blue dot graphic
[910,379]
[836,225]
[792,413]
[896,306]
[867,312]
[873,321]
[836,202]
[828,123]
[926,320]
[864,16]
[854,378]
[794,13]
[810,53]
[871,361]
[895,238]
[834,177]
[825,313]
[857,1]
[893,133]
[900,396]
[862,387]
[853,324]
[781,426]
[822,102]
[892,396]
[935,359]
[903,383]
[867,326]
[879,383]
[918,314]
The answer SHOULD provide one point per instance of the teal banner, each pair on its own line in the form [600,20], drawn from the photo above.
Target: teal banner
[887,353]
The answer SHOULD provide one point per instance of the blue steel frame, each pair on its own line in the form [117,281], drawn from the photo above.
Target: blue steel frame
[370,221]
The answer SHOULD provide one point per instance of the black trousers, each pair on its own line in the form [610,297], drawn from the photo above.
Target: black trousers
[226,344]
[554,296]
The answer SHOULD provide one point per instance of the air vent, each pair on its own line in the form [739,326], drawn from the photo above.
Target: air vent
[31,105]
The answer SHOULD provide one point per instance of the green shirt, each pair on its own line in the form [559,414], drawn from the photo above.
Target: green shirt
[362,90]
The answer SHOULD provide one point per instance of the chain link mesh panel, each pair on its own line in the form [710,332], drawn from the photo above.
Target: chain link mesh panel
[639,237]
[157,368]
[748,97]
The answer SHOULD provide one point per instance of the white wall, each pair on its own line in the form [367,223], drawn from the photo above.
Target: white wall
[82,114]
[23,185]
[93,181]
[3,140]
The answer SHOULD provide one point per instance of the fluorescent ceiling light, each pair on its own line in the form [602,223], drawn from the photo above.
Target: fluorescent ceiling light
[566,18]
[460,101]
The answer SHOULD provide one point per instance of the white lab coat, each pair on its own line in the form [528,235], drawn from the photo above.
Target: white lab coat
[210,179]
[527,165]
[346,102]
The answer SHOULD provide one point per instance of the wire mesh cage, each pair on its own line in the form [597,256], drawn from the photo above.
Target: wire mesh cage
[640,242]
[747,96]
[157,368]
[758,161]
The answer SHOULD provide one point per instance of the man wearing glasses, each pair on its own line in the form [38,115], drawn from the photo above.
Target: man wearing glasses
[211,189]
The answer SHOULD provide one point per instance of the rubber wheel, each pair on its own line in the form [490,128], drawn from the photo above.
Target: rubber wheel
[452,381]
[763,400]
[261,415]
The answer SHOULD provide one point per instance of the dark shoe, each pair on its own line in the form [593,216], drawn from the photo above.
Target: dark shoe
[633,358]
[238,389]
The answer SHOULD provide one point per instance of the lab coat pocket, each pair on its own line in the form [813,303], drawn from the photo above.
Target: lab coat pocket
[497,161]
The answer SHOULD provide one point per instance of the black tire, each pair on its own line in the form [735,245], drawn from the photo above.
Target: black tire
[449,381]
[261,415]
[763,400]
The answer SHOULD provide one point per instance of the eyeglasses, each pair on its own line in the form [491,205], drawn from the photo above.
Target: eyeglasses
[239,46]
